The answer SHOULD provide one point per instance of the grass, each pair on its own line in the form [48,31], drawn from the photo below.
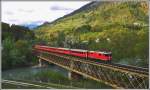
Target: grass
[55,77]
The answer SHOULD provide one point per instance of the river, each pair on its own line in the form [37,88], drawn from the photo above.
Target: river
[23,73]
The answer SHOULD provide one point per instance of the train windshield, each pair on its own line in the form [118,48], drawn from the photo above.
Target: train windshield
[107,54]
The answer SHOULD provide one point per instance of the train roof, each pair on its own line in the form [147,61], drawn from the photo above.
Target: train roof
[56,47]
[79,50]
[64,48]
[104,52]
[101,52]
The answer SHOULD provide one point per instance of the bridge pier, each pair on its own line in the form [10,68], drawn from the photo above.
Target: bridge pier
[43,63]
[40,62]
[75,76]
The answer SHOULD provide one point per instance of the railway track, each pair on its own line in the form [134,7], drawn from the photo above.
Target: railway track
[128,68]
[42,85]
[131,68]
[123,67]
[18,83]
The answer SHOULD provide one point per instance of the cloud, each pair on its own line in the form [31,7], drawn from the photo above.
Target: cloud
[13,20]
[9,13]
[20,12]
[25,10]
[60,8]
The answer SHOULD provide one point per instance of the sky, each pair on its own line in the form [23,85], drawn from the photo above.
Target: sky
[27,12]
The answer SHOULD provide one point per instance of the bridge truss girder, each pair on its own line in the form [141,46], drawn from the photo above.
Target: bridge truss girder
[111,76]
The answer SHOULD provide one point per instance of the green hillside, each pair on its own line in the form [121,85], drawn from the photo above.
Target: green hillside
[121,27]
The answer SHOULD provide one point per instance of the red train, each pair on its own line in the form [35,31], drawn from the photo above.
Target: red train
[103,56]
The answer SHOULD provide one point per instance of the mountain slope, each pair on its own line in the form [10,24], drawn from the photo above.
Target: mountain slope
[117,26]
[103,15]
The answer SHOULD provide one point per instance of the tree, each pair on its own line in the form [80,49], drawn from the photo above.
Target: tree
[60,39]
[7,46]
[141,48]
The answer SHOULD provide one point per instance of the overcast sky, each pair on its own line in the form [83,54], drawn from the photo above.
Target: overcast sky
[26,12]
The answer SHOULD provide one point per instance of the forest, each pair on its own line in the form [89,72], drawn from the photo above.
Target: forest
[17,42]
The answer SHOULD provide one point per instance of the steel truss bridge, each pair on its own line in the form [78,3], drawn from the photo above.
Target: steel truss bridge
[114,75]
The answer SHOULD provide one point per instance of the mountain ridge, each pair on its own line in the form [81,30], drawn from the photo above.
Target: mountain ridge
[81,9]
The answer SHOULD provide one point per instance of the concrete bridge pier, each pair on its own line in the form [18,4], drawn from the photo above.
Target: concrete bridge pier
[75,76]
[40,62]
[43,63]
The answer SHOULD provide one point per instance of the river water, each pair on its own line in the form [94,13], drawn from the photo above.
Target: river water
[23,73]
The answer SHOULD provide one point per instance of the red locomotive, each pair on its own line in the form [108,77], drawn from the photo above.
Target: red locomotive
[104,56]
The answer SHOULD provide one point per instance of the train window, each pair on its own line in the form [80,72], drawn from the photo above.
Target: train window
[110,54]
[76,52]
[107,54]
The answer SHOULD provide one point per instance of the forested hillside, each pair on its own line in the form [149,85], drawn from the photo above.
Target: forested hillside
[16,31]
[121,27]
[16,46]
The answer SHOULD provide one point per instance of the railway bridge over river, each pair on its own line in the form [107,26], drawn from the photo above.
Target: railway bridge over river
[114,75]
